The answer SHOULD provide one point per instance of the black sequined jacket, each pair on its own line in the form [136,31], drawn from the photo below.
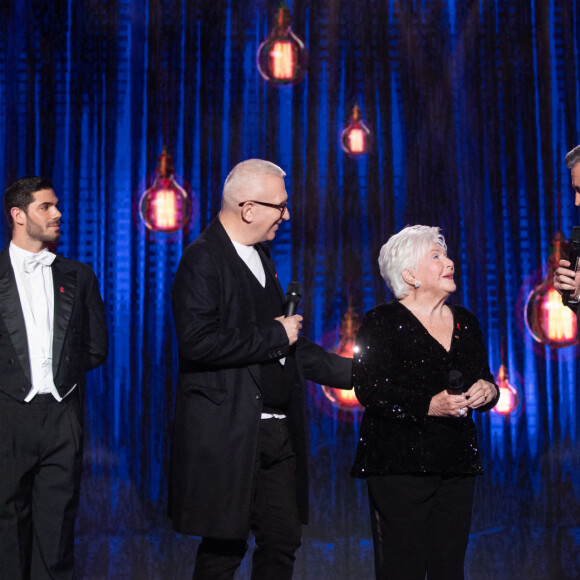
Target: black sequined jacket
[397,368]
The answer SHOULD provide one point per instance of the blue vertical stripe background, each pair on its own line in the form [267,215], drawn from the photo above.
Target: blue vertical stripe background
[472,106]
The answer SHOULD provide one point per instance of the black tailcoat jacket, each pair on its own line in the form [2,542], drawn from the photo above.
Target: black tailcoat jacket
[80,339]
[219,398]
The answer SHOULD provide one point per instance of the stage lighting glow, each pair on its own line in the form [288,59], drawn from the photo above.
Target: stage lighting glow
[345,399]
[559,321]
[547,319]
[165,206]
[355,137]
[508,395]
[282,61]
[282,58]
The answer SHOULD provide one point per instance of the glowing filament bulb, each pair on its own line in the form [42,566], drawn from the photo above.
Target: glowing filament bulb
[282,57]
[165,209]
[356,141]
[348,398]
[343,398]
[508,394]
[506,401]
[559,320]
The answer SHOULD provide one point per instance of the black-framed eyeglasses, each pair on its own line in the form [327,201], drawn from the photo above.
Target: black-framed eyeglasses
[280,206]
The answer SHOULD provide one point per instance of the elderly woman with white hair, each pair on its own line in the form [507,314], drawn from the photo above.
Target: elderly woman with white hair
[420,369]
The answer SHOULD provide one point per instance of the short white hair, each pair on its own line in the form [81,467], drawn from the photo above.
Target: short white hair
[402,252]
[243,175]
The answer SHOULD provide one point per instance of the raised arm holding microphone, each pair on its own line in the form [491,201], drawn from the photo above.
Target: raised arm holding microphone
[238,461]
[565,279]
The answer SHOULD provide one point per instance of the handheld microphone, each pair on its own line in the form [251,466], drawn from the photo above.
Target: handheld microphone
[293,295]
[573,256]
[455,383]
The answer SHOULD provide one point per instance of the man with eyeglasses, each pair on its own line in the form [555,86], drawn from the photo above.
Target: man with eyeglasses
[238,461]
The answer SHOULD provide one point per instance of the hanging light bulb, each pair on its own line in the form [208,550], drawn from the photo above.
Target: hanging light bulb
[355,137]
[508,395]
[547,319]
[341,398]
[282,58]
[164,207]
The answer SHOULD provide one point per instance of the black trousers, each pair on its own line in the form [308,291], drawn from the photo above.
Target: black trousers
[275,520]
[41,456]
[420,525]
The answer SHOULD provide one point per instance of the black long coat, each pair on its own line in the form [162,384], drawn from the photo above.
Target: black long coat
[219,401]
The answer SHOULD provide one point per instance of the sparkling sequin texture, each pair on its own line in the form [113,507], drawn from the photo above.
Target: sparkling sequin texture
[400,367]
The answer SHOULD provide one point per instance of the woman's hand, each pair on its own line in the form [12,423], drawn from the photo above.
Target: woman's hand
[446,405]
[480,393]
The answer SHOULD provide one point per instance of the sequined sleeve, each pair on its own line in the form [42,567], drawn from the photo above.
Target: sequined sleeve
[378,376]
[479,356]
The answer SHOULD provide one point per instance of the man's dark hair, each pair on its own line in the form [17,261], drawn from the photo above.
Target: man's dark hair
[20,194]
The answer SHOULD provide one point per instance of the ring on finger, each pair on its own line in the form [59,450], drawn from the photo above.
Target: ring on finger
[462,412]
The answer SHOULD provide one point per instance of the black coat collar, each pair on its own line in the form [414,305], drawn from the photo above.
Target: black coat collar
[217,231]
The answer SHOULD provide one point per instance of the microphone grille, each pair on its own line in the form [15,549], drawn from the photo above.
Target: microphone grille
[294,289]
[575,235]
[455,379]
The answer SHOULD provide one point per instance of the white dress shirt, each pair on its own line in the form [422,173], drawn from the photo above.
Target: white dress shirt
[36,291]
[251,258]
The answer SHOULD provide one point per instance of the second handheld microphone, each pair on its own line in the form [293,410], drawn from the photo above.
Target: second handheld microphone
[573,256]
[293,295]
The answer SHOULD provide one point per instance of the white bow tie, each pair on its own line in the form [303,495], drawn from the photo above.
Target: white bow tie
[45,258]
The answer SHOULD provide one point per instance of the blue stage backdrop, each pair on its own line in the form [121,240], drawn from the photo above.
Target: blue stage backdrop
[472,106]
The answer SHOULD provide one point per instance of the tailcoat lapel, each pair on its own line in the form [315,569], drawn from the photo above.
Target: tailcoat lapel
[65,282]
[11,313]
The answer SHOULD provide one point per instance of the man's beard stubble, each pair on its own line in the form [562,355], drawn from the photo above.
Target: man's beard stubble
[36,232]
